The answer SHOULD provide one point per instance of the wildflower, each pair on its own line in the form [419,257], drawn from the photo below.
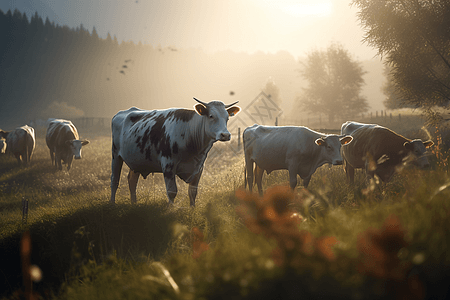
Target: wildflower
[324,246]
[378,250]
[198,245]
[272,217]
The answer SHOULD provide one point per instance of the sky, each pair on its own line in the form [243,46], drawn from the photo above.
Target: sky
[213,25]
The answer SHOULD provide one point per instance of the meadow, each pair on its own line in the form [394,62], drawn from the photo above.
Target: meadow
[333,240]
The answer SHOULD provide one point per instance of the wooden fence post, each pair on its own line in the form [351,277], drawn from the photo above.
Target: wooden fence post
[239,138]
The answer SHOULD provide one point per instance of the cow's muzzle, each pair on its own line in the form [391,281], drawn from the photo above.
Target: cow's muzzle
[78,157]
[338,162]
[225,137]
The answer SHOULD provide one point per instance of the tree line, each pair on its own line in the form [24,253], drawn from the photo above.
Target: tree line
[40,60]
[45,67]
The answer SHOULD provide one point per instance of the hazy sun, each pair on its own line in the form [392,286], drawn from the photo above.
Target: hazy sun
[302,8]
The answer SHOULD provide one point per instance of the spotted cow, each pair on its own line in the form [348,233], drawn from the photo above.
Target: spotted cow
[172,141]
[380,151]
[297,149]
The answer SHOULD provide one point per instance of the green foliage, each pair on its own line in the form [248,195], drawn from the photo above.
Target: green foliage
[393,99]
[334,83]
[413,37]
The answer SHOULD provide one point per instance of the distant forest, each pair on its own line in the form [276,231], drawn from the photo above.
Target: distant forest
[43,66]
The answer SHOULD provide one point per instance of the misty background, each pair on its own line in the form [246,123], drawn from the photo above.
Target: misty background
[48,69]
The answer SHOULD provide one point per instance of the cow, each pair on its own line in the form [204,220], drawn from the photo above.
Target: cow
[172,141]
[20,142]
[297,149]
[380,151]
[64,142]
[2,146]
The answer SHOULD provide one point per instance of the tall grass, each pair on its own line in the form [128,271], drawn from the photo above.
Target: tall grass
[88,249]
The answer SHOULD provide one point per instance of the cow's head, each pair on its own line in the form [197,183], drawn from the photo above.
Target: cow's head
[416,149]
[216,115]
[75,147]
[332,147]
[2,146]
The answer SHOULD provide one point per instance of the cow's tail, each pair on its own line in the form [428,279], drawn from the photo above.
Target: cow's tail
[28,149]
[245,177]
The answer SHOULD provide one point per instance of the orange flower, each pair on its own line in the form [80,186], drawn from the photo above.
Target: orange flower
[271,216]
[198,245]
[324,245]
[378,250]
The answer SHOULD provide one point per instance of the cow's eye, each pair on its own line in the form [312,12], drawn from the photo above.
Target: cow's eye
[211,117]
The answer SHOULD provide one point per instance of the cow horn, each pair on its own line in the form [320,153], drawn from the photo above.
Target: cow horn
[229,105]
[205,104]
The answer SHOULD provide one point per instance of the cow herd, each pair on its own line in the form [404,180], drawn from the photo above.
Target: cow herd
[176,141]
[61,137]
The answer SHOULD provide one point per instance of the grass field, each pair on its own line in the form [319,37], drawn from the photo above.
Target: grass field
[370,241]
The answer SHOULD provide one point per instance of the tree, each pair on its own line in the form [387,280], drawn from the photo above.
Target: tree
[272,90]
[413,37]
[335,82]
[393,99]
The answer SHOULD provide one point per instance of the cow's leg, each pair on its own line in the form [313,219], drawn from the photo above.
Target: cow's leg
[69,161]
[258,178]
[350,171]
[305,181]
[292,178]
[171,186]
[25,157]
[58,161]
[17,155]
[52,156]
[133,178]
[249,171]
[369,172]
[116,169]
[193,187]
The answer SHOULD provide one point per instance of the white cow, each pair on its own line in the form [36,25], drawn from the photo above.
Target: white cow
[20,142]
[172,141]
[63,141]
[299,150]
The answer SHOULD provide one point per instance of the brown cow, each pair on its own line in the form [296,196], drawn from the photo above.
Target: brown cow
[63,141]
[20,142]
[380,151]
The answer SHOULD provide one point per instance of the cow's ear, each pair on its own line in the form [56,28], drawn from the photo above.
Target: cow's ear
[346,139]
[201,109]
[428,143]
[408,146]
[232,111]
[320,142]
[84,143]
